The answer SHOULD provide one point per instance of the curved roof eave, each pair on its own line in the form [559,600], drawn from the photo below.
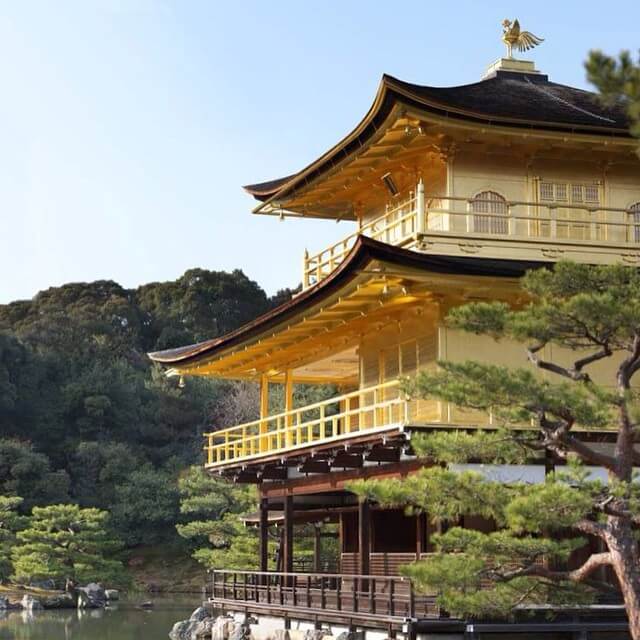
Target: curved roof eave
[364,251]
[266,191]
[391,93]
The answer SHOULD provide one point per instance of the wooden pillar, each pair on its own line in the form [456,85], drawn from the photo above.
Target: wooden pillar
[288,406]
[419,535]
[316,548]
[288,390]
[421,220]
[280,550]
[264,412]
[287,564]
[264,534]
[364,537]
[264,396]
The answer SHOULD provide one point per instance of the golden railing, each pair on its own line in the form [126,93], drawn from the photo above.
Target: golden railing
[376,407]
[438,215]
[396,225]
[372,409]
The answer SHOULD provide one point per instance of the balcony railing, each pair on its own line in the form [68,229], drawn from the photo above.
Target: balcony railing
[378,407]
[554,223]
[375,409]
[397,225]
[378,598]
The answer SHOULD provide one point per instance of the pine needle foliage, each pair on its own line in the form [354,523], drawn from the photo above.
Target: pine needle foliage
[212,509]
[10,523]
[65,542]
[617,80]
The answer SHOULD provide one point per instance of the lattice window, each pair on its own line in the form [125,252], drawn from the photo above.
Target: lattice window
[574,193]
[391,363]
[408,358]
[572,221]
[427,350]
[370,373]
[494,208]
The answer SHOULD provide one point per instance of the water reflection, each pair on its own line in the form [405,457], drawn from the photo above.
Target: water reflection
[126,621]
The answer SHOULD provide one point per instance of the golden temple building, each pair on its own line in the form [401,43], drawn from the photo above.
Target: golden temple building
[455,192]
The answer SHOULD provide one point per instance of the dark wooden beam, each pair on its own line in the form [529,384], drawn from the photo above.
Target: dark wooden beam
[348,461]
[247,477]
[364,537]
[338,480]
[384,454]
[288,534]
[264,534]
[274,473]
[315,466]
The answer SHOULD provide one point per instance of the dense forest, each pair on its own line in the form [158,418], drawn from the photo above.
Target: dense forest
[85,418]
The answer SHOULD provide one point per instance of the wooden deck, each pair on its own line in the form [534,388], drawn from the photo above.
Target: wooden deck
[373,601]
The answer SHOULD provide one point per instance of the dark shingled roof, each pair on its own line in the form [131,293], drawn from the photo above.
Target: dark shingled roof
[525,96]
[363,252]
[522,100]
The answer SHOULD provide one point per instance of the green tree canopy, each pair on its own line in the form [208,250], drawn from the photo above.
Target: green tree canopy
[618,80]
[10,523]
[28,474]
[85,416]
[212,509]
[65,542]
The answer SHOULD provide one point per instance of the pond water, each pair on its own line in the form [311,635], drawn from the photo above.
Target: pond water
[123,621]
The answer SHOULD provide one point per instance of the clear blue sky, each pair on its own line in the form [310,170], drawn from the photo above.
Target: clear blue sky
[128,126]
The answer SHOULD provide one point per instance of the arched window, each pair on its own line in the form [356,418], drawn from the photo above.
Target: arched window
[635,217]
[490,210]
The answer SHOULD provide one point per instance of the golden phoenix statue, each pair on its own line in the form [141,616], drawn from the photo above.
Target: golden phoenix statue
[521,40]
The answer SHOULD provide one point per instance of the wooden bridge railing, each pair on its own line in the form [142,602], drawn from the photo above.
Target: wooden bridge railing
[384,597]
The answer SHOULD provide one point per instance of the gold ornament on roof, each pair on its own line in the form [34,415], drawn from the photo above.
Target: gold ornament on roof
[521,40]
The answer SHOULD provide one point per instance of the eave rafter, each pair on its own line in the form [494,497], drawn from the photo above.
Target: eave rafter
[315,334]
[331,338]
[357,175]
[381,296]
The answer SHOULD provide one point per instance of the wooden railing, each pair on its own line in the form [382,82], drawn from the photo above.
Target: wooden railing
[395,226]
[436,215]
[377,597]
[372,409]
[367,409]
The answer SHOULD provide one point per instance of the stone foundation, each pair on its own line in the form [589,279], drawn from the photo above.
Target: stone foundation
[202,626]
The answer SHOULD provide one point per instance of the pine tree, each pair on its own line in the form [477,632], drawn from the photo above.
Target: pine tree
[10,522]
[589,316]
[617,80]
[67,543]
[214,509]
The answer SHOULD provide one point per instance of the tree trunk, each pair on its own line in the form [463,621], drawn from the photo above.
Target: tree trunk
[624,560]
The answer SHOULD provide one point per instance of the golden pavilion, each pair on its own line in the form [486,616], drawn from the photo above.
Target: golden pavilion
[454,193]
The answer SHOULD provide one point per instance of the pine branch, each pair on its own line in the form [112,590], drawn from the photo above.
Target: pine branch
[624,451]
[580,574]
[556,438]
[574,373]
[591,528]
